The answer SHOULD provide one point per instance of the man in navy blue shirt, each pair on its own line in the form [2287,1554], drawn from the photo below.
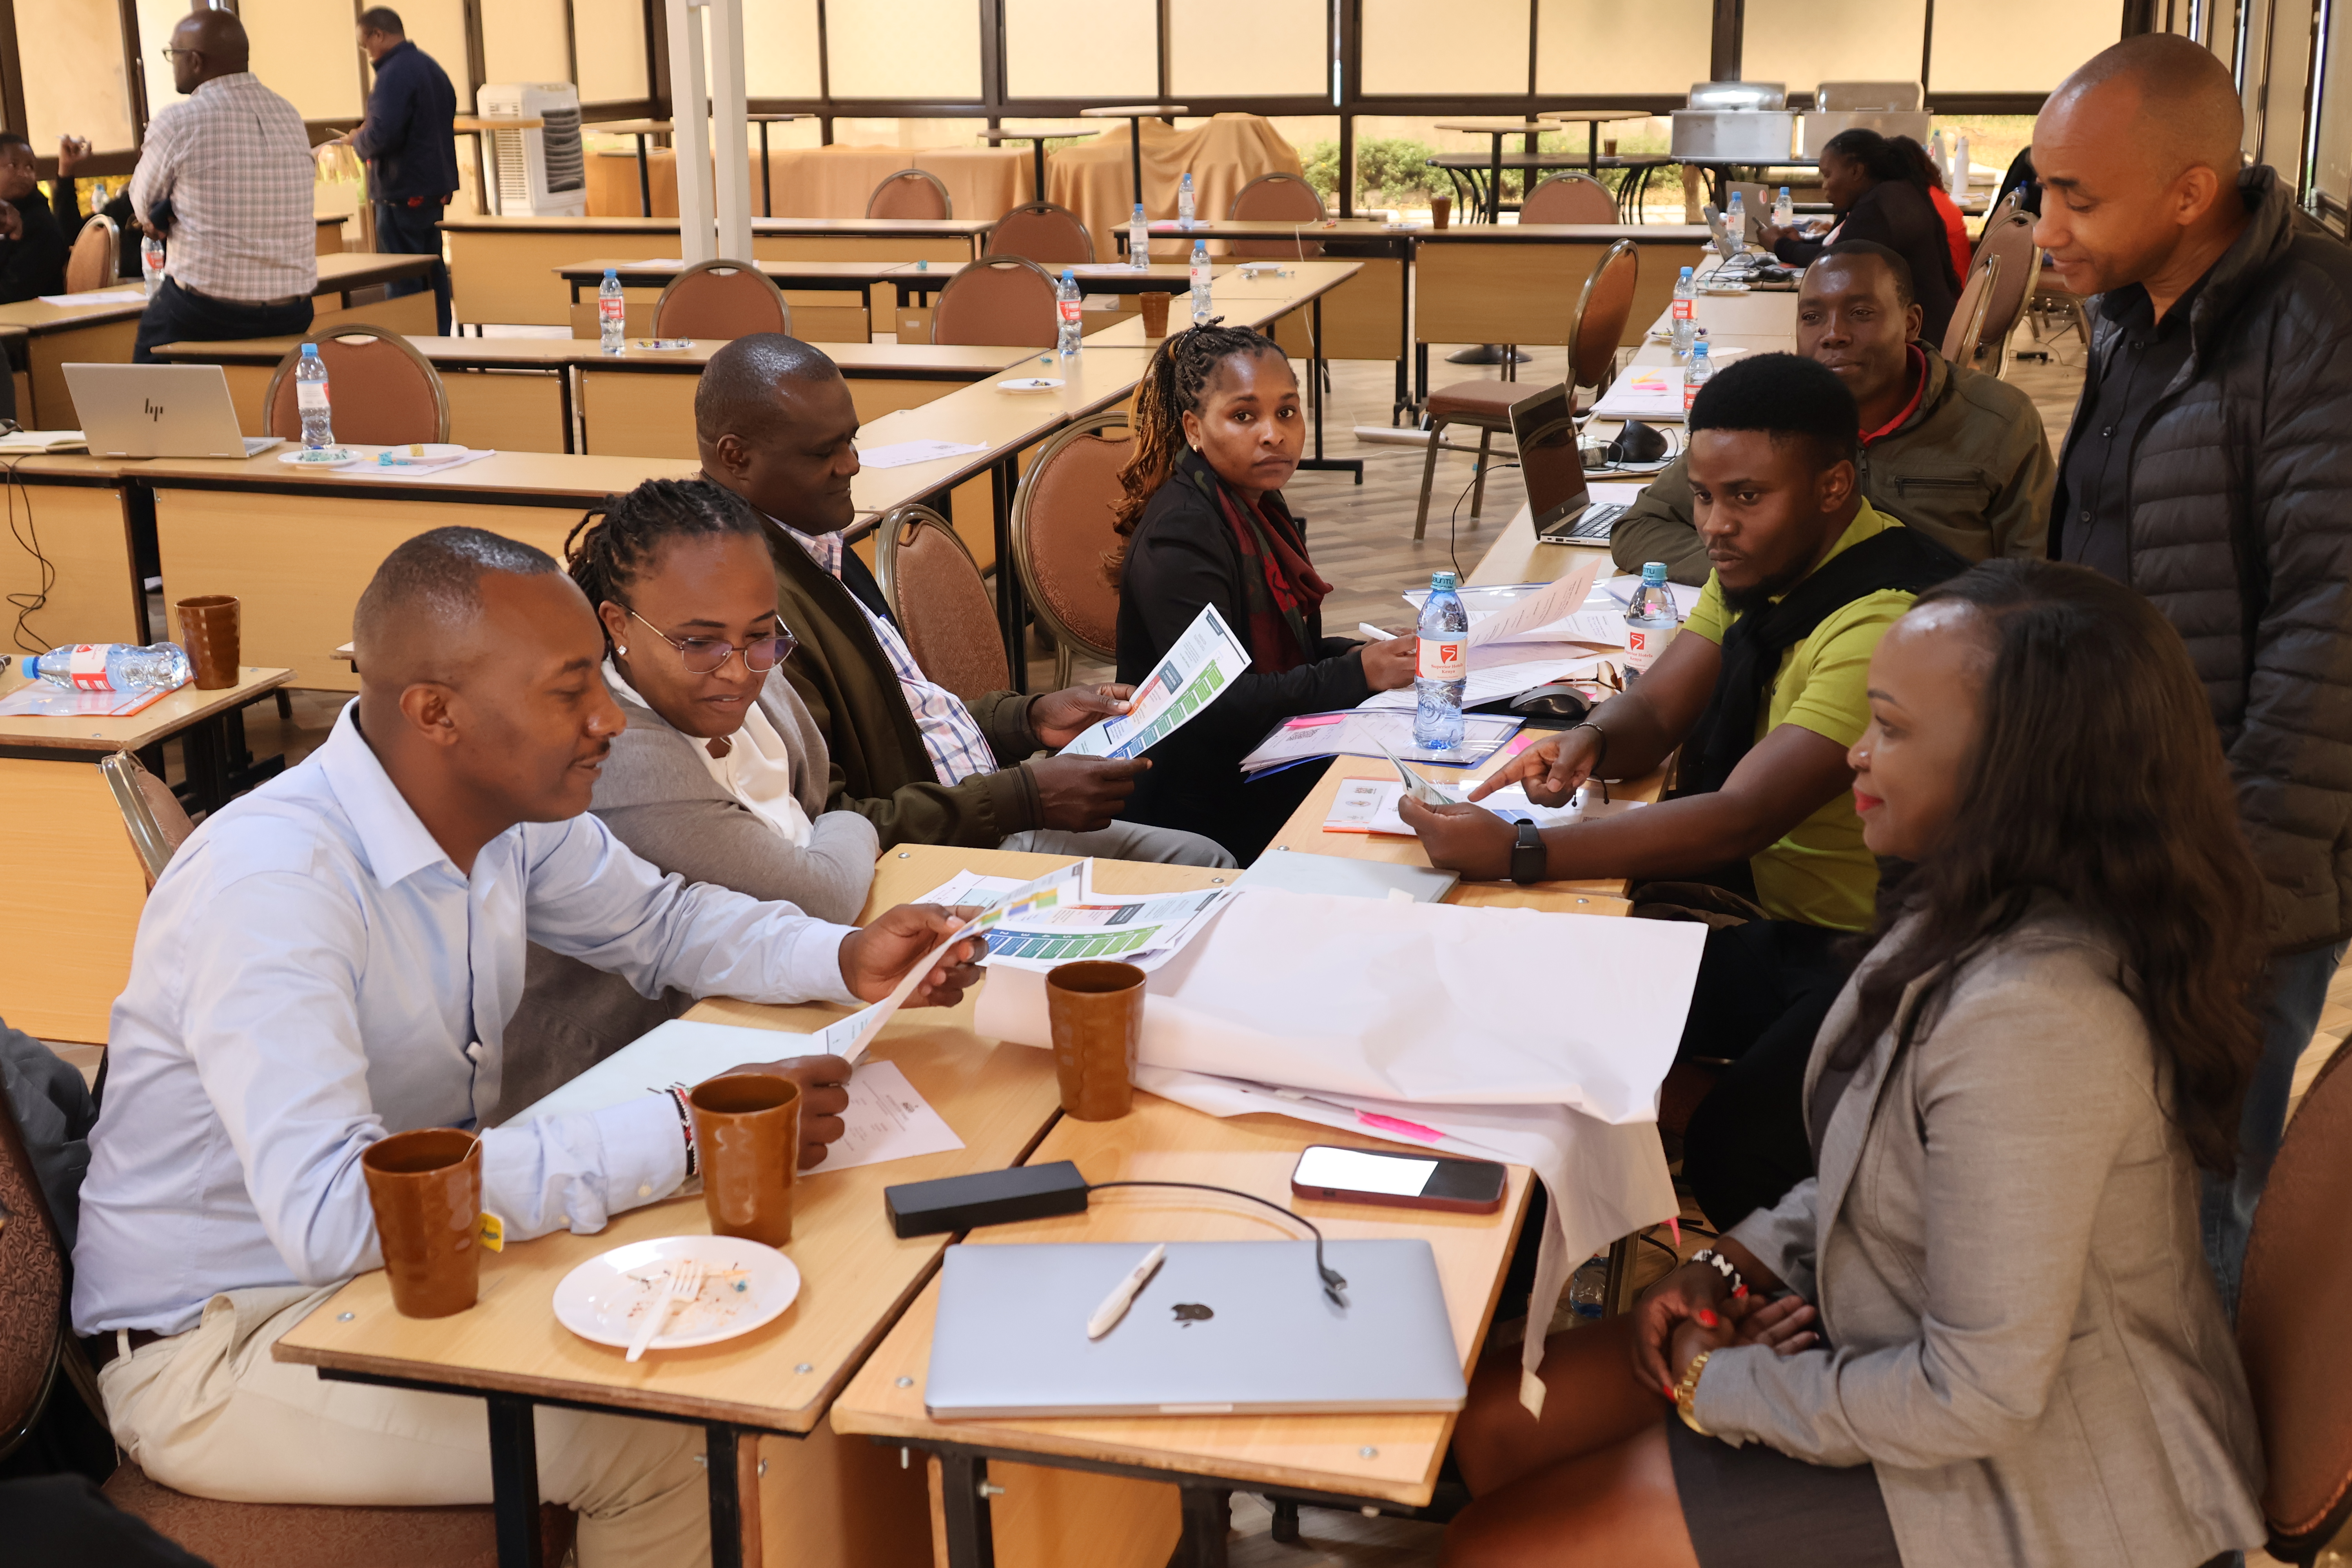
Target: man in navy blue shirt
[411,151]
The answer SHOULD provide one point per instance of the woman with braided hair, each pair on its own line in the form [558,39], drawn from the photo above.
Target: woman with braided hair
[1218,432]
[721,776]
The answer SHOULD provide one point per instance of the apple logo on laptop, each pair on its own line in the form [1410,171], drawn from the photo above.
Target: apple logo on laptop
[1191,1313]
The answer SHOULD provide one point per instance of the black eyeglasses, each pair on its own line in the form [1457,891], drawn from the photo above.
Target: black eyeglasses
[167,51]
[704,656]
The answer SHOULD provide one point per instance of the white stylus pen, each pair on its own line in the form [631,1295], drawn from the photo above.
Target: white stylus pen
[1106,1315]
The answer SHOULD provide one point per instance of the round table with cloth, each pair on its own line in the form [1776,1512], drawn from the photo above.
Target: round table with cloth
[1093,179]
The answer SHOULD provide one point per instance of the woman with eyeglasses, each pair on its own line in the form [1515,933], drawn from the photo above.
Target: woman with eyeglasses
[721,775]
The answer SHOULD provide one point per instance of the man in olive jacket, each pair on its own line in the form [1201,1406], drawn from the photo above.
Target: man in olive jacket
[774,423]
[1955,453]
[2209,467]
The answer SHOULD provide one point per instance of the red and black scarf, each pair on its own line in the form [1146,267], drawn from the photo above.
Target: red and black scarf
[1278,583]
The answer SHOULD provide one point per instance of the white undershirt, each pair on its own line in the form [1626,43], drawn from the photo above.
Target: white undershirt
[757,769]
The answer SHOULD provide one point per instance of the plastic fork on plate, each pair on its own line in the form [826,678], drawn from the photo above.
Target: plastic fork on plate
[685,1285]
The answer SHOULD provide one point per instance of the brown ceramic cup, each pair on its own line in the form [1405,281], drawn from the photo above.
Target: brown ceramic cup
[747,1133]
[208,630]
[1155,314]
[1095,1012]
[1441,211]
[427,1189]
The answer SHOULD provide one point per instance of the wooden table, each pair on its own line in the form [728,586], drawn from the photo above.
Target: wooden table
[1135,114]
[641,128]
[919,278]
[68,878]
[767,193]
[1498,129]
[1592,121]
[857,1277]
[996,135]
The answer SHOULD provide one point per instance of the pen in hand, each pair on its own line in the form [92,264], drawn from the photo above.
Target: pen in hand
[1115,1305]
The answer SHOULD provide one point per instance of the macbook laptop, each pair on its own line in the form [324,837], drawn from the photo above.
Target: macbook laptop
[1544,427]
[1755,206]
[1223,1326]
[159,411]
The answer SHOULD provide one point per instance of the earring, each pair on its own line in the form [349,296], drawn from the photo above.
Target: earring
[622,651]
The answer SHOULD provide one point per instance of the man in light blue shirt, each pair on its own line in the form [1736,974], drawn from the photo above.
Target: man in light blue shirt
[333,959]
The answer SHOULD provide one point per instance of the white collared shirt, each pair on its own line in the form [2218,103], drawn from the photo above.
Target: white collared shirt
[313,972]
[235,163]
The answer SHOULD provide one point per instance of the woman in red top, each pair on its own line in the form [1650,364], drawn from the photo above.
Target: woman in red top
[1956,228]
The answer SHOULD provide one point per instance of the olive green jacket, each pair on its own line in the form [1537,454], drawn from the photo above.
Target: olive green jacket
[1971,469]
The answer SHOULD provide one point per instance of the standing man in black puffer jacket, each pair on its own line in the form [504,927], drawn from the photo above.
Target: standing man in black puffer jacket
[2210,466]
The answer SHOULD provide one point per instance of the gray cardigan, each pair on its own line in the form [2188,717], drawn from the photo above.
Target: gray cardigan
[2002,1241]
[658,799]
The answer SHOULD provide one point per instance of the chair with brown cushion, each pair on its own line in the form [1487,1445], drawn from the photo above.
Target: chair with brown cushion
[40,1360]
[158,823]
[97,252]
[2009,241]
[1062,531]
[1967,328]
[910,192]
[998,300]
[1047,233]
[941,601]
[2291,1323]
[1277,198]
[720,299]
[385,393]
[1595,334]
[1569,198]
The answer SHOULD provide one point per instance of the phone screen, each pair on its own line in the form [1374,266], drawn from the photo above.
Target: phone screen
[1399,1175]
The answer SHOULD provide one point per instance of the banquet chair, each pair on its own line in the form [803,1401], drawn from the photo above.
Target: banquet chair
[1277,198]
[940,602]
[1063,531]
[386,393]
[1043,233]
[2008,239]
[1569,198]
[998,300]
[96,254]
[1966,331]
[910,192]
[720,299]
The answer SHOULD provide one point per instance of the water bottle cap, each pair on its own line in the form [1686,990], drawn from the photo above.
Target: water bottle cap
[613,274]
[1653,573]
[1440,582]
[1687,271]
[1139,209]
[309,351]
[1069,275]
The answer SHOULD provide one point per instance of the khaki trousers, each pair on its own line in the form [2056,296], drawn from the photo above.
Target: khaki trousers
[212,1414]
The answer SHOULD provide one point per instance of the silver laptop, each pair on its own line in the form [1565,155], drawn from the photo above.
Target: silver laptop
[1223,1327]
[1553,464]
[159,411]
[1755,206]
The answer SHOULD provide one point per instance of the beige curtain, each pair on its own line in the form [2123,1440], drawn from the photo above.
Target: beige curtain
[1095,179]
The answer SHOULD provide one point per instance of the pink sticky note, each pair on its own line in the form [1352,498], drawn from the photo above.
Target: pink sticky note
[1521,742]
[1315,721]
[1412,1130]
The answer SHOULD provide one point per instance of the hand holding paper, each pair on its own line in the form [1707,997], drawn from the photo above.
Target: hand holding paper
[824,1096]
[881,961]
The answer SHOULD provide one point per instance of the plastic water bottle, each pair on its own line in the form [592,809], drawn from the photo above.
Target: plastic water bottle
[1935,156]
[1959,166]
[1784,211]
[1735,220]
[1185,201]
[112,667]
[311,401]
[1201,304]
[611,315]
[150,259]
[1443,671]
[1650,620]
[1699,372]
[1139,240]
[1069,305]
[1587,1289]
[1686,312]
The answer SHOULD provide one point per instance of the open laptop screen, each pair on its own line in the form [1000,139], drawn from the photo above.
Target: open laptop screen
[1545,429]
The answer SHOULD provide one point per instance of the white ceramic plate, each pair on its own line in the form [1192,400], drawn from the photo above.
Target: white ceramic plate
[1030,383]
[419,452]
[745,1284]
[325,458]
[1723,287]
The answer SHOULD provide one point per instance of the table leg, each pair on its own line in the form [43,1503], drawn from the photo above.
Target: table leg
[514,1480]
[767,190]
[1134,153]
[1315,364]
[970,1542]
[566,406]
[1285,1520]
[1593,148]
[721,1460]
[1617,1293]
[1208,1520]
[645,180]
[1012,607]
[487,142]
[1494,184]
[481,180]
[1038,148]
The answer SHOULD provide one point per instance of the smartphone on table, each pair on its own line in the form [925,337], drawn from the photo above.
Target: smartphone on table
[1407,1181]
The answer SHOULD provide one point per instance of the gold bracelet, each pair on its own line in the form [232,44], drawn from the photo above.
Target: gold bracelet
[1687,1391]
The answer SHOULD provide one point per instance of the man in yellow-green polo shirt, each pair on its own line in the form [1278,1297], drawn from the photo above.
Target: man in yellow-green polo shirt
[1763,698]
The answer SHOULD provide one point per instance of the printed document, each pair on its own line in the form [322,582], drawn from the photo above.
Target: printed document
[1203,662]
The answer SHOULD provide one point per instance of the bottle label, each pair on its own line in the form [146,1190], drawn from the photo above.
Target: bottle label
[1645,644]
[86,666]
[311,396]
[1691,385]
[1071,310]
[612,311]
[1444,659]
[1685,309]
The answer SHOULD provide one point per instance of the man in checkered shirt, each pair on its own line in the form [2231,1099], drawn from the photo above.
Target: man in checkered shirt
[226,179]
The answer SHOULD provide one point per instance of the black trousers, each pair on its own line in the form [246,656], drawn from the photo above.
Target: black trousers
[177,315]
[1763,989]
[404,230]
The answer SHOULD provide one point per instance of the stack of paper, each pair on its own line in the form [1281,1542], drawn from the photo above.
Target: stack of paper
[1370,805]
[1374,732]
[1644,392]
[19,443]
[1076,923]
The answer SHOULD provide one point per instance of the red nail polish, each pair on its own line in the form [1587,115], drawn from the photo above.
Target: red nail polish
[1740,1290]
[1707,1319]
[1670,1390]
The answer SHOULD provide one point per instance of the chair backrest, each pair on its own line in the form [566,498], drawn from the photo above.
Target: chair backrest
[1000,299]
[910,192]
[1967,328]
[1569,198]
[942,603]
[1062,530]
[92,262]
[720,299]
[2011,240]
[1277,198]
[2291,1321]
[158,823]
[32,1287]
[1047,233]
[385,393]
[1598,325]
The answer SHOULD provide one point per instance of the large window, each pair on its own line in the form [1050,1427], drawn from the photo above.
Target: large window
[1605,46]
[1106,50]
[525,40]
[307,53]
[609,36]
[1412,49]
[73,73]
[906,49]
[1289,52]
[1802,43]
[2014,45]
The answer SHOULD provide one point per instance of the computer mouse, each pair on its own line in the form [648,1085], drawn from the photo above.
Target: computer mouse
[1557,701]
[1637,443]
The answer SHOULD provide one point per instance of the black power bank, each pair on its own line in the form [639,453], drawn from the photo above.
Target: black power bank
[985,1197]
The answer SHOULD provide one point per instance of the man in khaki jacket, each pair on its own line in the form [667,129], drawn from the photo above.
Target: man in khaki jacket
[1956,454]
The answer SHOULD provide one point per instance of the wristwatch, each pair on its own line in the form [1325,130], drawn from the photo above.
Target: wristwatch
[1530,859]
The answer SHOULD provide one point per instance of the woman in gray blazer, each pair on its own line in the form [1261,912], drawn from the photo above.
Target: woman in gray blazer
[721,775]
[1984,1333]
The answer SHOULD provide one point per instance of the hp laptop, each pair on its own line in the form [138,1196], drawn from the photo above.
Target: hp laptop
[159,411]
[1544,428]
[1223,1326]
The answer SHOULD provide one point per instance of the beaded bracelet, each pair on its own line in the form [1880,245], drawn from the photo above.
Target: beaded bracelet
[686,1123]
[1723,1265]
